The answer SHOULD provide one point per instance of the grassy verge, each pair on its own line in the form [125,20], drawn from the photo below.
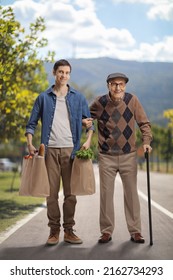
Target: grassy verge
[12,206]
[161,168]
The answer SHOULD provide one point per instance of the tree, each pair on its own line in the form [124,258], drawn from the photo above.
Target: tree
[167,148]
[169,115]
[157,143]
[22,73]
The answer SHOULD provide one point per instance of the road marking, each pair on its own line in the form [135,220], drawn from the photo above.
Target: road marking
[153,203]
[156,205]
[4,235]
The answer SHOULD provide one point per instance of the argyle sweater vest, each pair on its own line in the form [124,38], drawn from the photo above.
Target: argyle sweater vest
[116,123]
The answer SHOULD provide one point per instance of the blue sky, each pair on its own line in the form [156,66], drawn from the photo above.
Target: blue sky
[140,30]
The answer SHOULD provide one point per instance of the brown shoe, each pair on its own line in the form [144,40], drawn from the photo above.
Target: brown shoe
[137,238]
[53,238]
[70,237]
[105,238]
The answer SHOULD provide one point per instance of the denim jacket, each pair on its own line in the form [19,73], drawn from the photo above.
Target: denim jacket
[44,108]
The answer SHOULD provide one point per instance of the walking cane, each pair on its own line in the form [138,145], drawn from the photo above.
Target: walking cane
[149,196]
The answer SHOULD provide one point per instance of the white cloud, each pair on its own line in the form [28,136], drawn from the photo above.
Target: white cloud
[159,51]
[69,29]
[161,9]
[73,29]
[85,4]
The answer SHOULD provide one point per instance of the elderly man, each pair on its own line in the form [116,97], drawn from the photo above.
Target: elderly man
[117,113]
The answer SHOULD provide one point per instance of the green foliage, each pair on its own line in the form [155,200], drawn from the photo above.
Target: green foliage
[162,145]
[22,73]
[12,206]
[85,154]
[167,142]
[169,115]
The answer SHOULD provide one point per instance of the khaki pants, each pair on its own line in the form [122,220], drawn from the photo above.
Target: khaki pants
[126,165]
[59,166]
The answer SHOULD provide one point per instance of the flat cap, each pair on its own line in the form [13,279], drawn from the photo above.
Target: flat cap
[117,75]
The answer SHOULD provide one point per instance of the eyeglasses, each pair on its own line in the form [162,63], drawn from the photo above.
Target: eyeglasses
[113,84]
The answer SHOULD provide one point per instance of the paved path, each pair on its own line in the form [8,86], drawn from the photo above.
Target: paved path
[28,241]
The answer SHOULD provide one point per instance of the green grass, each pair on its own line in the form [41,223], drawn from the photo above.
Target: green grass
[12,206]
[162,168]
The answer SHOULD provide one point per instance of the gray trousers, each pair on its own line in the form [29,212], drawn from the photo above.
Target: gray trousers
[126,165]
[59,166]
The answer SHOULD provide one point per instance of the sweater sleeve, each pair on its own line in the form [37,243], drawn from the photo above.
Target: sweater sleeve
[143,122]
[94,109]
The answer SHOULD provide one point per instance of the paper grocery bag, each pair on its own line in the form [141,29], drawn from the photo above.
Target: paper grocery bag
[82,177]
[34,178]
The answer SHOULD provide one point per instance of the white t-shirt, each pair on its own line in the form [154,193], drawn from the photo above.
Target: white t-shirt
[61,136]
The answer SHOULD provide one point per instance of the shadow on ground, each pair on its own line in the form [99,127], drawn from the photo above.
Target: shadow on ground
[10,209]
[65,251]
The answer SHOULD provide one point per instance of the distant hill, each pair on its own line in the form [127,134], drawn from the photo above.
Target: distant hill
[152,82]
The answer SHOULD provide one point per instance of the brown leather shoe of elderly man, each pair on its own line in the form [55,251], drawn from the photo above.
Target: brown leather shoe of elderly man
[137,238]
[105,238]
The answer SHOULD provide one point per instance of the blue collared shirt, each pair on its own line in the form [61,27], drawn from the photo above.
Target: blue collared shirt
[44,108]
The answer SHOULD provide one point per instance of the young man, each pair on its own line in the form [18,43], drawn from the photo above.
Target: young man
[117,113]
[61,110]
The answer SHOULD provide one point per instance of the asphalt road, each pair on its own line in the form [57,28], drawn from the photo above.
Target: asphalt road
[28,241]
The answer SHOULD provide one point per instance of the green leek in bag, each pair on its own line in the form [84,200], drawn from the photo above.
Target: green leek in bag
[85,154]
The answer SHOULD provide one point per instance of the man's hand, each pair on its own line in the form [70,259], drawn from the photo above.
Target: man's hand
[31,149]
[146,148]
[87,122]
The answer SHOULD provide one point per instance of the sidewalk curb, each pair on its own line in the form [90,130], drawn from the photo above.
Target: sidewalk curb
[5,234]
